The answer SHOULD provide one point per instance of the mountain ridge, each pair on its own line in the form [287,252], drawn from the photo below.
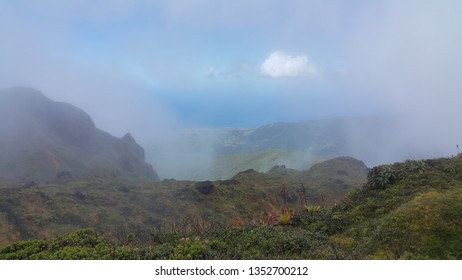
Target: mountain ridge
[39,138]
[225,151]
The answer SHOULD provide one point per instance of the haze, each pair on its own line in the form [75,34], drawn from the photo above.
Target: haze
[155,67]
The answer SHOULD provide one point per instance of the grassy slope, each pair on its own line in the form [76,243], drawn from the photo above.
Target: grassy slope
[117,207]
[414,215]
[226,165]
[417,216]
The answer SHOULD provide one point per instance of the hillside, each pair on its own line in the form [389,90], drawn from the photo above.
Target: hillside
[118,207]
[226,165]
[225,151]
[42,140]
[408,210]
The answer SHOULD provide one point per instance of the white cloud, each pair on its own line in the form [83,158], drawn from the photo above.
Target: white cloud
[280,64]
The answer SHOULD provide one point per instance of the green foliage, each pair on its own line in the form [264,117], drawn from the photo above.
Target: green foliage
[312,209]
[382,176]
[428,225]
[312,218]
[263,242]
[83,244]
[415,215]
[117,207]
[380,181]
[449,168]
[285,218]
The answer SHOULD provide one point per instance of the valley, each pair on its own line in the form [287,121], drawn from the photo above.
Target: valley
[69,190]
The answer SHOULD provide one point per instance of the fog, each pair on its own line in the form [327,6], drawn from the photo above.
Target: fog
[408,56]
[124,62]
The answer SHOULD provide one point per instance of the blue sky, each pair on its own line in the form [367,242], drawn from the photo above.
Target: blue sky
[233,63]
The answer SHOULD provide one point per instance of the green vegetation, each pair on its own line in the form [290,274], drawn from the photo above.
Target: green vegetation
[117,207]
[409,210]
[226,165]
[261,242]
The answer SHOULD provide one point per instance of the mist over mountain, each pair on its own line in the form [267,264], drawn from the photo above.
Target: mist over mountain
[220,153]
[326,138]
[43,140]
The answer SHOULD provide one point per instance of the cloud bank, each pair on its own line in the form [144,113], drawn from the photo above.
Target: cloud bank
[280,65]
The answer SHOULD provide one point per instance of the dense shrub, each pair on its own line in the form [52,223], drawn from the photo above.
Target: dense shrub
[205,187]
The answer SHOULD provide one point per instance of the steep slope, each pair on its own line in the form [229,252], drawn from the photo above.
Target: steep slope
[43,140]
[408,210]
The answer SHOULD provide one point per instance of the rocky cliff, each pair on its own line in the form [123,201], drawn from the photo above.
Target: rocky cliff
[43,140]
